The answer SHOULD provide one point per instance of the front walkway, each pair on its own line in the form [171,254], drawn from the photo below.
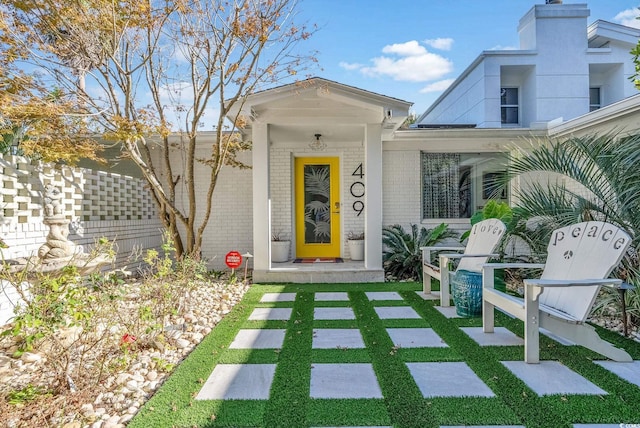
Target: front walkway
[389,358]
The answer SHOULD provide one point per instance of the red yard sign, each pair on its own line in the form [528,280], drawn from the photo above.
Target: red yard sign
[233,259]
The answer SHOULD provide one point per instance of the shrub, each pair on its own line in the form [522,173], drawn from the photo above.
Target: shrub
[402,256]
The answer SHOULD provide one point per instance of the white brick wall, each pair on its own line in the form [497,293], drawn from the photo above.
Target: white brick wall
[351,221]
[97,204]
[230,227]
[231,224]
[401,188]
[281,191]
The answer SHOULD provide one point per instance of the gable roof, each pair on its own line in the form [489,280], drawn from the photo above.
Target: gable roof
[317,102]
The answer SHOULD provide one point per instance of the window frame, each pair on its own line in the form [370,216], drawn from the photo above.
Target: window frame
[507,106]
[595,106]
[478,180]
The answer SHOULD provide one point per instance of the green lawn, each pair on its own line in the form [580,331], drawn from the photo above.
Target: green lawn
[403,405]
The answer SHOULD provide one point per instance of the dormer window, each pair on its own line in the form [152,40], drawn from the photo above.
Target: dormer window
[509,111]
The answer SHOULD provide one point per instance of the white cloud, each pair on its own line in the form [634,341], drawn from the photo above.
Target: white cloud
[437,86]
[410,62]
[628,18]
[411,48]
[441,43]
[350,66]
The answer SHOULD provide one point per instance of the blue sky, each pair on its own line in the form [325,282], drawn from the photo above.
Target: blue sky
[412,49]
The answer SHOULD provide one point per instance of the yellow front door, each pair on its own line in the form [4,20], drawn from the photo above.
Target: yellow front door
[317,192]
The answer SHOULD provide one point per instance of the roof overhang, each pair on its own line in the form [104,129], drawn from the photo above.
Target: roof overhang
[622,117]
[601,32]
[299,110]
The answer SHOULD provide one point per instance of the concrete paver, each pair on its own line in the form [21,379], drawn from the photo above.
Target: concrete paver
[333,314]
[278,297]
[627,371]
[270,314]
[328,297]
[415,338]
[552,377]
[396,312]
[356,380]
[258,339]
[448,311]
[500,337]
[448,379]
[333,338]
[383,295]
[238,382]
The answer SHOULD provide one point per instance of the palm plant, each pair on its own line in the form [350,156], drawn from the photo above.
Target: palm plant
[401,256]
[592,178]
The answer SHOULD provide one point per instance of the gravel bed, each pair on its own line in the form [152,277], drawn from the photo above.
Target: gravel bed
[116,400]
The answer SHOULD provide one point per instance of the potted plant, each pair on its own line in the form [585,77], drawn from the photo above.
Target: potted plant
[355,241]
[280,248]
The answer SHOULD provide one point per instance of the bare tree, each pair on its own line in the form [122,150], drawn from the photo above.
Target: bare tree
[146,75]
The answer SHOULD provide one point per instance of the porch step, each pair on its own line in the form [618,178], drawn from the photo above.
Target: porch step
[299,276]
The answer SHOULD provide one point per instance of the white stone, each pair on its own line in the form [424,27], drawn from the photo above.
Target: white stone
[5,361]
[86,409]
[151,386]
[152,375]
[182,343]
[113,420]
[122,378]
[29,357]
[124,419]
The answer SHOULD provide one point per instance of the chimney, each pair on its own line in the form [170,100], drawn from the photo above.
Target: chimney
[553,1]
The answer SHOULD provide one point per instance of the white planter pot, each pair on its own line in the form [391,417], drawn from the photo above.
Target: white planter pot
[356,249]
[280,251]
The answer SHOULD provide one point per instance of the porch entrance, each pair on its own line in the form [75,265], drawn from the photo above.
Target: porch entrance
[317,206]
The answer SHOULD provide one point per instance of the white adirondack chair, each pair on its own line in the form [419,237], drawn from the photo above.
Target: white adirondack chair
[580,257]
[483,240]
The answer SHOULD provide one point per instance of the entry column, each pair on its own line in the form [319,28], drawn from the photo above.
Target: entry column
[373,196]
[261,198]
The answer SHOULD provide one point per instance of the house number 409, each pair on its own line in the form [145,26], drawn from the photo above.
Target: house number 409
[357,190]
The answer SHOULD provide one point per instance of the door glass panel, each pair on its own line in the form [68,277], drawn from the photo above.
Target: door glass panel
[317,215]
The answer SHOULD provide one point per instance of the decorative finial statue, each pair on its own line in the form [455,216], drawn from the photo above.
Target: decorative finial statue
[58,252]
[52,201]
[57,247]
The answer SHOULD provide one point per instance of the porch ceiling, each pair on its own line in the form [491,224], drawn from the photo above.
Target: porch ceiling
[331,133]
